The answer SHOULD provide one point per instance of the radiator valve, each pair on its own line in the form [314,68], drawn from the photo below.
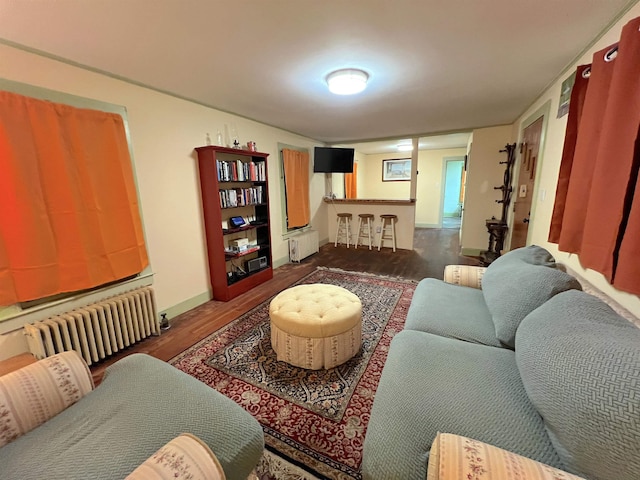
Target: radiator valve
[164,322]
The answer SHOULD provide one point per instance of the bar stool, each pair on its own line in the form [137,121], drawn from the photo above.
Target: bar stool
[388,222]
[365,228]
[344,228]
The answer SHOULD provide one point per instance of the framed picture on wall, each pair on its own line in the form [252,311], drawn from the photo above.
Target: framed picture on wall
[396,170]
[565,95]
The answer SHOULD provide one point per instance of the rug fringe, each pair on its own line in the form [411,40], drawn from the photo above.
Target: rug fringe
[272,466]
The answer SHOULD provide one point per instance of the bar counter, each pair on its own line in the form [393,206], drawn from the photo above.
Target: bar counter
[404,209]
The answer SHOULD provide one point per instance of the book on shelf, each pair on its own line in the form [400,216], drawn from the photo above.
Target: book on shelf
[240,197]
[239,171]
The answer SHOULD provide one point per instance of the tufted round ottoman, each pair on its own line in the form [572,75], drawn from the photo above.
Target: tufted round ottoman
[316,326]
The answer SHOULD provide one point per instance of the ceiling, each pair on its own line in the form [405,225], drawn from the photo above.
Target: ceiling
[434,142]
[435,66]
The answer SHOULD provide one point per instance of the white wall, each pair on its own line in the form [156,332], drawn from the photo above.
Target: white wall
[164,131]
[429,187]
[484,172]
[550,166]
[370,184]
[428,205]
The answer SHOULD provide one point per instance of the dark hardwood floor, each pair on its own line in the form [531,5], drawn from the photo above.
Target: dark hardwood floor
[433,250]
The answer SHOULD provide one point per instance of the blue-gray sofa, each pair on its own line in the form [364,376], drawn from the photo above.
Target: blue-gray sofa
[528,363]
[55,425]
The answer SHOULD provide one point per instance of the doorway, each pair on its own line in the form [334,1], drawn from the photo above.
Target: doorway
[452,193]
[523,190]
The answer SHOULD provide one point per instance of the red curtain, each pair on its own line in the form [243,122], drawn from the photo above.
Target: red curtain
[576,103]
[69,218]
[296,177]
[601,220]
[584,158]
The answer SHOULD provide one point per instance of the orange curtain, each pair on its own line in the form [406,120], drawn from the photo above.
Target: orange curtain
[296,176]
[350,183]
[601,217]
[69,217]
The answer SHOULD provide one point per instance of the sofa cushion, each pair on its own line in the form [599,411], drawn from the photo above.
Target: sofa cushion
[451,311]
[532,254]
[580,364]
[430,384]
[518,283]
[141,404]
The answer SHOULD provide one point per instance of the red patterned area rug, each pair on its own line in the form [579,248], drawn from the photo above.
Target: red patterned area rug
[314,420]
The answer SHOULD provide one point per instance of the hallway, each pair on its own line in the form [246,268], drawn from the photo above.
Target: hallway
[451,222]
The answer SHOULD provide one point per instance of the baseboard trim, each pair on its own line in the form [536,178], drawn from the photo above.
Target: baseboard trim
[428,225]
[204,297]
[280,261]
[187,305]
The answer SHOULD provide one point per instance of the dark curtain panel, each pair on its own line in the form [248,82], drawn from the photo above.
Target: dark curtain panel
[599,218]
[608,229]
[584,158]
[578,94]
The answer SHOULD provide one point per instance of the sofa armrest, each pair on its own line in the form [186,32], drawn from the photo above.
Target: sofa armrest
[465,275]
[453,457]
[186,456]
[33,394]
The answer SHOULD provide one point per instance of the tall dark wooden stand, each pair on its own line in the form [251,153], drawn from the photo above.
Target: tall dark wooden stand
[498,228]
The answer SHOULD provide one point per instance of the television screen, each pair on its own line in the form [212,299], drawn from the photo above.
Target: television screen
[333,160]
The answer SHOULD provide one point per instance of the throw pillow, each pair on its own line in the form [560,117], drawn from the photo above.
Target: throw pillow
[453,457]
[186,456]
[532,254]
[517,285]
[33,394]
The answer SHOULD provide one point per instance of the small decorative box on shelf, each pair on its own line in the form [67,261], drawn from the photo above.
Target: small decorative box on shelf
[241,253]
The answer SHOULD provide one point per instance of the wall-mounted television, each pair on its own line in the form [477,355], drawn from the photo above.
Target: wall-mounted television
[333,160]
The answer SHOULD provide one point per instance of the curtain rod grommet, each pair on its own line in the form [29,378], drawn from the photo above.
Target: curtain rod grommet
[611,54]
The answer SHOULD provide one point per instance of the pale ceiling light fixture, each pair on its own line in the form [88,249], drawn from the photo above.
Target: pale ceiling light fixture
[348,81]
[405,148]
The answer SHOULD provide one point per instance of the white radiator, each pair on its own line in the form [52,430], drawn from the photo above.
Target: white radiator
[97,330]
[303,245]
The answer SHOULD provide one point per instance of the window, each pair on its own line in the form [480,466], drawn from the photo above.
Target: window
[50,137]
[294,168]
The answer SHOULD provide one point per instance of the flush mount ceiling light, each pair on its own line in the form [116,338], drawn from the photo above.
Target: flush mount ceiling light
[348,81]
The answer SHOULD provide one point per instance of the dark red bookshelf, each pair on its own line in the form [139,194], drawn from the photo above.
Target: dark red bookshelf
[234,183]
